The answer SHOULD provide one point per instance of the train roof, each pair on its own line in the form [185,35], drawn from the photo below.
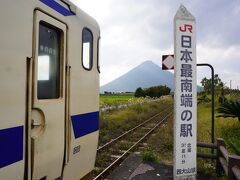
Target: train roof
[81,14]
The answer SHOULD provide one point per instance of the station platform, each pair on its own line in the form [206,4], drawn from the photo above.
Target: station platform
[133,168]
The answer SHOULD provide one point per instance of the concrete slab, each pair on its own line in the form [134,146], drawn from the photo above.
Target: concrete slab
[133,168]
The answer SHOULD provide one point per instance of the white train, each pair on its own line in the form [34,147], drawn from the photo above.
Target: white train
[49,92]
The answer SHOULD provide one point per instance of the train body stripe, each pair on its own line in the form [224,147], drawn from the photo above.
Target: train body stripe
[57,7]
[11,145]
[84,124]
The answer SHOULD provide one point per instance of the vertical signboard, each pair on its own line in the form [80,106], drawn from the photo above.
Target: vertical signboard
[185,100]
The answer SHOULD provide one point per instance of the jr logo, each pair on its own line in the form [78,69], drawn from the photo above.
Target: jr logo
[186,27]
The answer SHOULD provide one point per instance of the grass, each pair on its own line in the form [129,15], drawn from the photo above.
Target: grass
[226,128]
[150,155]
[162,143]
[160,146]
[116,122]
[231,134]
[114,100]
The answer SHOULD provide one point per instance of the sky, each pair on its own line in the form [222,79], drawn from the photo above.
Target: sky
[134,31]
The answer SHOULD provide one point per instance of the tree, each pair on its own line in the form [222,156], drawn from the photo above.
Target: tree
[230,108]
[203,99]
[207,83]
[152,92]
[139,92]
[155,91]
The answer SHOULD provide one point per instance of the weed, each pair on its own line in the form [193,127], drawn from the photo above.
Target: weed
[226,128]
[124,144]
[114,123]
[232,136]
[150,155]
[162,142]
[114,100]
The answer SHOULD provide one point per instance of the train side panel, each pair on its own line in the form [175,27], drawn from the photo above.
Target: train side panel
[84,110]
[18,89]
[15,46]
[82,97]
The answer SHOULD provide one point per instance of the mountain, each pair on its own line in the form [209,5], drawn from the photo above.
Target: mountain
[145,75]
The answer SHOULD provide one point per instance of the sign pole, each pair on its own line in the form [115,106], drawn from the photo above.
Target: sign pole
[212,93]
[185,95]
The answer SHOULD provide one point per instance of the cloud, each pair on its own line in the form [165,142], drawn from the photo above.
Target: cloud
[217,20]
[134,31]
[224,60]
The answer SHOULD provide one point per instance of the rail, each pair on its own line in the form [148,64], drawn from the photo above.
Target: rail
[229,164]
[133,144]
[127,132]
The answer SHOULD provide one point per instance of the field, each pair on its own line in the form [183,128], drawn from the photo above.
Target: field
[226,128]
[160,146]
[116,99]
[115,122]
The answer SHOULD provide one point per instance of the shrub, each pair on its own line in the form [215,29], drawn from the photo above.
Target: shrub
[230,108]
[150,155]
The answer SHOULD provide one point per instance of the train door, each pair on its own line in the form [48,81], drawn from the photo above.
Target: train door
[48,103]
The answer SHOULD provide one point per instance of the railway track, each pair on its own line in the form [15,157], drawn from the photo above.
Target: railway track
[113,152]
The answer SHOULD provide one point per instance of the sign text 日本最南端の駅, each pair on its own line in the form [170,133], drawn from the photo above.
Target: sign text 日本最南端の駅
[185,95]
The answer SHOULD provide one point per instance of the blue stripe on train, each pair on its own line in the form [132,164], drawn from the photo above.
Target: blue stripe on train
[57,7]
[84,124]
[11,145]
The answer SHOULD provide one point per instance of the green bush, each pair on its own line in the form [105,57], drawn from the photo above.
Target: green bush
[139,92]
[150,156]
[155,91]
[230,108]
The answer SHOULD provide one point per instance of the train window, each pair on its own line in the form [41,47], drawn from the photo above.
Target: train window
[98,54]
[87,49]
[48,62]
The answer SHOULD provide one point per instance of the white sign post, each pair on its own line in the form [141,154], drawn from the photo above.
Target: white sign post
[185,95]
